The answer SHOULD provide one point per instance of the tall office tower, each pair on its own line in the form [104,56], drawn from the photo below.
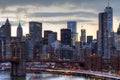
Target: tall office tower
[19,31]
[5,30]
[52,37]
[103,35]
[109,12]
[29,47]
[46,32]
[72,25]
[89,39]
[83,36]
[118,38]
[111,43]
[2,47]
[66,37]
[8,29]
[35,30]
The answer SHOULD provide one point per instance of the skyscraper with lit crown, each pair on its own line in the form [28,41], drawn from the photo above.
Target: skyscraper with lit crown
[109,11]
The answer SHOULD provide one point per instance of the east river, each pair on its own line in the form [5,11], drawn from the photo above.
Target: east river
[40,76]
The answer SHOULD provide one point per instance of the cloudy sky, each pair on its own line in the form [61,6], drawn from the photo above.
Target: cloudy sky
[55,13]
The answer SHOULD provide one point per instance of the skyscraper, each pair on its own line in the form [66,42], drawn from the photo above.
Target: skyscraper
[118,38]
[35,30]
[52,37]
[2,47]
[72,25]
[5,30]
[109,12]
[46,32]
[103,35]
[66,36]
[19,31]
[83,36]
[89,39]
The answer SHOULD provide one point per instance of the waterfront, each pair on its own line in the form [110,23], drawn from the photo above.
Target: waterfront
[40,76]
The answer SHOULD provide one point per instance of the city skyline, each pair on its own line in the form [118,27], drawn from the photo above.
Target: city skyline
[54,16]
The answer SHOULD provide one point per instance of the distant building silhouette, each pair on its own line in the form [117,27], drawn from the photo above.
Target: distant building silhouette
[29,47]
[35,30]
[52,37]
[109,12]
[83,36]
[2,47]
[118,38]
[46,32]
[72,25]
[5,39]
[66,37]
[5,30]
[103,35]
[89,39]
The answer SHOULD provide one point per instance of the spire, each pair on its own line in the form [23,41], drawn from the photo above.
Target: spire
[19,25]
[7,22]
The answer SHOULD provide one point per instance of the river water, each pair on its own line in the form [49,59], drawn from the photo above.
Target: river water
[40,76]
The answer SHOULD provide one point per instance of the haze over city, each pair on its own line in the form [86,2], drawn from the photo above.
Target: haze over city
[54,14]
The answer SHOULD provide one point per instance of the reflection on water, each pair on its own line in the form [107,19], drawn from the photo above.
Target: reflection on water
[41,76]
[18,78]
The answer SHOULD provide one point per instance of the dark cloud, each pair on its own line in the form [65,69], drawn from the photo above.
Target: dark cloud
[65,21]
[59,14]
[95,5]
[78,3]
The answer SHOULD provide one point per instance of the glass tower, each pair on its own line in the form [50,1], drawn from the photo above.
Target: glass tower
[72,25]
[109,12]
[35,30]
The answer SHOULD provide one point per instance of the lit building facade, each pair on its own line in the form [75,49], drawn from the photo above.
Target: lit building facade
[83,36]
[72,25]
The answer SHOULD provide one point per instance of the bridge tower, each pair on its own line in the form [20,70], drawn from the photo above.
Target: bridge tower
[18,64]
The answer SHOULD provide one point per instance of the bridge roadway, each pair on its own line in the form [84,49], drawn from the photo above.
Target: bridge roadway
[92,73]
